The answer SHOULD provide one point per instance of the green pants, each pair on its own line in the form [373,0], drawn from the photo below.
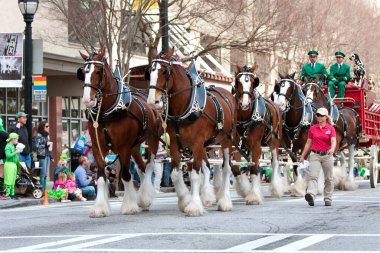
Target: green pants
[10,173]
[341,88]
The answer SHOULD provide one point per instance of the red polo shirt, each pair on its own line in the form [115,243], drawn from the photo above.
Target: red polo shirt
[321,137]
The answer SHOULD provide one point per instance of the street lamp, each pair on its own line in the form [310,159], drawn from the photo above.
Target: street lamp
[28,8]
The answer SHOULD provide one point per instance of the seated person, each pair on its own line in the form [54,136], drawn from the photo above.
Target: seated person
[72,190]
[314,70]
[339,76]
[61,167]
[82,181]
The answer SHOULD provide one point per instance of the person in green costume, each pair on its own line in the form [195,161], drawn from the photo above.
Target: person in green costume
[313,71]
[339,76]
[11,166]
[3,142]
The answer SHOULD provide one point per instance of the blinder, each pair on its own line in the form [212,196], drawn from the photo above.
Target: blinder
[147,74]
[80,75]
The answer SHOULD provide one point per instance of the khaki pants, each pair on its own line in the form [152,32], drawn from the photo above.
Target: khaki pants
[327,164]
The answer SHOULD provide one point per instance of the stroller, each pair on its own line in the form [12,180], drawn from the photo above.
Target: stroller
[26,183]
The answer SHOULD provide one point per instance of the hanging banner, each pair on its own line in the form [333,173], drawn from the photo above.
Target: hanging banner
[39,88]
[11,54]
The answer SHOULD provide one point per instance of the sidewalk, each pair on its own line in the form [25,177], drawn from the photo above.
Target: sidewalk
[28,200]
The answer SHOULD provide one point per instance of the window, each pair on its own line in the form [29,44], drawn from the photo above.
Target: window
[205,42]
[73,121]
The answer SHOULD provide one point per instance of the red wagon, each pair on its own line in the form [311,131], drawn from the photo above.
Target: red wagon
[364,103]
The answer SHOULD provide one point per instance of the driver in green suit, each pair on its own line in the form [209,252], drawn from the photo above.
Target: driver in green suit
[313,70]
[339,75]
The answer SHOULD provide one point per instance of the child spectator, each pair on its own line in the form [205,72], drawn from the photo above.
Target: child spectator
[61,167]
[73,191]
[59,190]
[93,173]
[11,166]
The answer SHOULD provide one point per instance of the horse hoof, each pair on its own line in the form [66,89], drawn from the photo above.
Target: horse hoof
[194,209]
[97,212]
[207,204]
[225,205]
[130,210]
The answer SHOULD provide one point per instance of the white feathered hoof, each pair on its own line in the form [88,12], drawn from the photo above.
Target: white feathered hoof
[349,185]
[253,199]
[130,208]
[145,196]
[194,209]
[100,211]
[183,202]
[298,189]
[208,197]
[277,188]
[225,204]
[242,185]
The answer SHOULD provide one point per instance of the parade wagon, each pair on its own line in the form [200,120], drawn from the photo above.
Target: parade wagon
[363,101]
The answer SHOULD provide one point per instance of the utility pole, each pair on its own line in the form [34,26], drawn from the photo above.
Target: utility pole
[164,9]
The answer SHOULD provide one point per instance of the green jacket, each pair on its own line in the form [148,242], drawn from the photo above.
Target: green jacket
[310,73]
[343,73]
[10,154]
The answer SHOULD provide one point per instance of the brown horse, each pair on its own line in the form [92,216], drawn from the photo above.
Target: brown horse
[348,130]
[297,119]
[192,126]
[119,122]
[259,123]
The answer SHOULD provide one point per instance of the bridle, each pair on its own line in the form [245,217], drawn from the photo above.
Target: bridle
[98,87]
[250,92]
[290,97]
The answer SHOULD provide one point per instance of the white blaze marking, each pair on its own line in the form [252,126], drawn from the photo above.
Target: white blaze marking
[153,82]
[246,86]
[87,90]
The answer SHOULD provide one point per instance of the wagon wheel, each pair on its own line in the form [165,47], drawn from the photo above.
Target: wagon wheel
[373,166]
[37,193]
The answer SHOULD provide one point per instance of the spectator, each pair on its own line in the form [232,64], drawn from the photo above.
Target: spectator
[61,167]
[166,180]
[81,179]
[20,129]
[59,189]
[90,154]
[93,173]
[111,175]
[158,168]
[72,190]
[11,166]
[3,141]
[42,145]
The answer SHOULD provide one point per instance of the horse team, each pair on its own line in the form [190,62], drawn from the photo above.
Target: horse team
[196,117]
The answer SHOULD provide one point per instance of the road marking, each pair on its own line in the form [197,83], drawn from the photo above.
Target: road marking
[303,243]
[55,243]
[97,242]
[249,246]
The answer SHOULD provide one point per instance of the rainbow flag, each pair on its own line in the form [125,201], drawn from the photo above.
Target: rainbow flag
[39,82]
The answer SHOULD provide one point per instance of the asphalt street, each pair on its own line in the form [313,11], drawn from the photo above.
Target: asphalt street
[352,224]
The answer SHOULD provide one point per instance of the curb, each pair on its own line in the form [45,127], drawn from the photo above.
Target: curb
[6,204]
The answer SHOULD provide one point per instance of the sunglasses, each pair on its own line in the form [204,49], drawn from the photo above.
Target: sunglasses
[313,56]
[339,57]
[46,126]
[320,115]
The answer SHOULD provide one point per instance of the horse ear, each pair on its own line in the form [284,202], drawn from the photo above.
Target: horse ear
[292,75]
[254,67]
[153,53]
[101,53]
[170,53]
[80,75]
[239,68]
[84,57]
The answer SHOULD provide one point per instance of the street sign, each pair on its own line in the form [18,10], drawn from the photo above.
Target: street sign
[39,88]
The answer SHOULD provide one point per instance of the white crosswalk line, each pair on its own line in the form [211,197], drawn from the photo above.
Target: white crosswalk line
[249,246]
[98,242]
[301,244]
[54,243]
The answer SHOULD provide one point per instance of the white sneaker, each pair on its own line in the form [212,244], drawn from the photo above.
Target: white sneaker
[65,200]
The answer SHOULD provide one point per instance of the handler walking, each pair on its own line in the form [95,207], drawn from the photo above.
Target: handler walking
[322,141]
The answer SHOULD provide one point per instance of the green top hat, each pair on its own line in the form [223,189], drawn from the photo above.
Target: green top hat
[339,54]
[313,52]
[12,136]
